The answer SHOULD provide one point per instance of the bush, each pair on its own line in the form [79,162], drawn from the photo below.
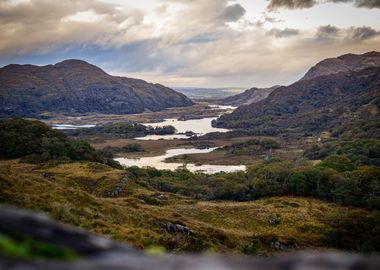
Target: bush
[133,147]
[338,163]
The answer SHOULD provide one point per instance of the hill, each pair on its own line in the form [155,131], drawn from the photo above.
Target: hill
[344,63]
[79,194]
[249,96]
[75,86]
[340,103]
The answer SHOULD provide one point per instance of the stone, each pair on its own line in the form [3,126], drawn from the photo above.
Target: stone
[176,228]
[275,220]
[119,188]
[161,197]
[48,175]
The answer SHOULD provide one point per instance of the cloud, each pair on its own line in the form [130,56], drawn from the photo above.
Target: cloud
[300,4]
[363,33]
[283,33]
[182,42]
[361,3]
[352,34]
[233,13]
[327,32]
[290,4]
[42,26]
[368,3]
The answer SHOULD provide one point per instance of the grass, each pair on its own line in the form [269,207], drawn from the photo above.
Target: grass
[74,193]
[31,249]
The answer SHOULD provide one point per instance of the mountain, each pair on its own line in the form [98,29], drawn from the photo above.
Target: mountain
[341,103]
[76,86]
[249,96]
[344,63]
[197,93]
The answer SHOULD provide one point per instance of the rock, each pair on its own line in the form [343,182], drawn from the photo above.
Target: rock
[176,228]
[119,188]
[48,175]
[282,246]
[275,220]
[161,197]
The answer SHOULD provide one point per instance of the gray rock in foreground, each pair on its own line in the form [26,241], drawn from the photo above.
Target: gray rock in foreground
[101,253]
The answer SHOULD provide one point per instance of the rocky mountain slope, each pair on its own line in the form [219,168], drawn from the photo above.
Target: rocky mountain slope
[344,63]
[339,103]
[76,86]
[249,96]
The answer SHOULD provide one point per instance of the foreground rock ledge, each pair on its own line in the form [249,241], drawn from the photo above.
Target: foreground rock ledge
[101,253]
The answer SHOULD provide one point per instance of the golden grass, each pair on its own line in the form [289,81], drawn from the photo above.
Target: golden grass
[74,196]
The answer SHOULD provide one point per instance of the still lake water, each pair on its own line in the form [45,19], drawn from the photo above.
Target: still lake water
[198,126]
[69,126]
[159,163]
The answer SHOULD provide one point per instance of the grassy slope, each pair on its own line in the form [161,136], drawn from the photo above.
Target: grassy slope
[74,197]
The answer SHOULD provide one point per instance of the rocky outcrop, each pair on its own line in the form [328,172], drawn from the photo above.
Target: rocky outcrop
[176,228]
[97,252]
[74,86]
[119,188]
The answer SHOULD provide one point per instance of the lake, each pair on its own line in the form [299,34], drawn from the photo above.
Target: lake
[198,126]
[159,163]
[69,126]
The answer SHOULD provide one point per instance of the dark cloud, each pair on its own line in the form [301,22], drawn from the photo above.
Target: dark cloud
[327,32]
[290,4]
[363,33]
[368,3]
[361,3]
[283,33]
[352,34]
[233,13]
[299,4]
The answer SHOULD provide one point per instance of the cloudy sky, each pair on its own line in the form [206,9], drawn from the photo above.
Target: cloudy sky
[205,43]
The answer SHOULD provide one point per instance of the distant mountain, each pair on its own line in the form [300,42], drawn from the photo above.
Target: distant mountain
[198,93]
[344,63]
[341,103]
[249,96]
[76,86]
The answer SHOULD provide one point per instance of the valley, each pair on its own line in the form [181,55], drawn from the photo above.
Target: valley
[189,135]
[277,175]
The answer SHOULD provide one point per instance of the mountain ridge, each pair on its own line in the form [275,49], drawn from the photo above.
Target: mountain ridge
[343,63]
[336,103]
[74,86]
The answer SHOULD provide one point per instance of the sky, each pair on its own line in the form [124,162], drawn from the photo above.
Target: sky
[197,43]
